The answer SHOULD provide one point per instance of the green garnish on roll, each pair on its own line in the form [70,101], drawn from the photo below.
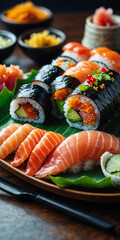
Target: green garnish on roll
[97,80]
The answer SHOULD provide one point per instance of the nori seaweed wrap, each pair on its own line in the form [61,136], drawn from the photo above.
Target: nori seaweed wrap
[31,104]
[60,88]
[48,73]
[93,103]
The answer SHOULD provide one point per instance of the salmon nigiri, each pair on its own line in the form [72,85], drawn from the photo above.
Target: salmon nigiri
[48,142]
[13,142]
[81,70]
[76,50]
[80,150]
[107,56]
[27,146]
[8,131]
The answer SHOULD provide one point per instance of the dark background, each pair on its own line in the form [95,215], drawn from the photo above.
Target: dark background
[67,5]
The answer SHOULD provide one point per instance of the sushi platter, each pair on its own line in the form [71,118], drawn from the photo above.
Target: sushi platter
[59,125]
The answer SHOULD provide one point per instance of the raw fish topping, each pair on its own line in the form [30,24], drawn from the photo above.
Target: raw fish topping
[8,76]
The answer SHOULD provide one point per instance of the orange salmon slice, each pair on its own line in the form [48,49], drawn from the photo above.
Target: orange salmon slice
[27,146]
[14,141]
[47,143]
[8,131]
[79,147]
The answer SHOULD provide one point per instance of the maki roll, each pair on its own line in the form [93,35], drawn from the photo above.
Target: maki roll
[60,88]
[41,84]
[64,62]
[76,51]
[31,104]
[94,101]
[48,73]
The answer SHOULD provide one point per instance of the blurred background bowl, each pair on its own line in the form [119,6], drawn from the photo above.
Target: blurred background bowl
[102,36]
[42,54]
[18,28]
[6,51]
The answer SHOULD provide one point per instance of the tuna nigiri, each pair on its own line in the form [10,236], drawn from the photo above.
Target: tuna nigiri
[13,142]
[76,51]
[27,146]
[81,70]
[48,142]
[107,56]
[8,131]
[80,150]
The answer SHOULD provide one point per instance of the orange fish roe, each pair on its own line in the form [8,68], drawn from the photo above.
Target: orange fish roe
[70,64]
[86,108]
[59,61]
[26,12]
[74,102]
[30,111]
[62,93]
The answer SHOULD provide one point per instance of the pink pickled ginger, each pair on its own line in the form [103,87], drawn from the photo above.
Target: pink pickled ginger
[103,17]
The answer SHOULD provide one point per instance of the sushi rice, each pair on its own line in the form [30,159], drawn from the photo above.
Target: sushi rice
[105,60]
[15,105]
[75,56]
[79,124]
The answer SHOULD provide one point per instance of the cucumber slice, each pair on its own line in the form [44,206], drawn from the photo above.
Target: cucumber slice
[113,165]
[20,112]
[73,116]
[59,105]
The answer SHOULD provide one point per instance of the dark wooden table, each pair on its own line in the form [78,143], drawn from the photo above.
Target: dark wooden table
[30,220]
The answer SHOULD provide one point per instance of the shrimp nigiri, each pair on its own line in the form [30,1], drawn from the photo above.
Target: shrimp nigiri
[79,151]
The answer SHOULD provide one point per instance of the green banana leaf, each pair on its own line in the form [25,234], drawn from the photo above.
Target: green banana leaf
[6,95]
[87,179]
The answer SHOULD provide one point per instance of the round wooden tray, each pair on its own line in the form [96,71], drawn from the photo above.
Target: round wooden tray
[87,195]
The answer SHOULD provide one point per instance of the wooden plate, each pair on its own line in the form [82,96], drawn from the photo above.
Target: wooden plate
[67,192]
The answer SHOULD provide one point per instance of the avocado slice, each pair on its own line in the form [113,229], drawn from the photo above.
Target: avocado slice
[21,112]
[113,165]
[73,116]
[59,105]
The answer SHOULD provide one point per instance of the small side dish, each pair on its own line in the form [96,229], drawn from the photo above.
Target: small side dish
[42,44]
[42,39]
[25,13]
[102,29]
[26,16]
[4,42]
[7,44]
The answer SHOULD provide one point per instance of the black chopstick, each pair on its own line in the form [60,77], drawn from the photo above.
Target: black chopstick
[22,193]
